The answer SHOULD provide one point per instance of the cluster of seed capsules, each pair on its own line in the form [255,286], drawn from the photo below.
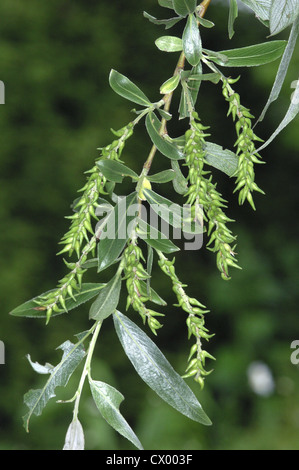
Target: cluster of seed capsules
[245,143]
[203,191]
[195,323]
[135,275]
[80,236]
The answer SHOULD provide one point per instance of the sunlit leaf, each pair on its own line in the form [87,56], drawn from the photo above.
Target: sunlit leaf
[74,439]
[32,310]
[222,159]
[258,54]
[169,44]
[283,68]
[156,371]
[192,41]
[260,7]
[107,300]
[289,116]
[127,89]
[282,14]
[36,400]
[108,400]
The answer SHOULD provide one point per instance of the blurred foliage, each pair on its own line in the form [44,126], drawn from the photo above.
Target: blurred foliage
[55,58]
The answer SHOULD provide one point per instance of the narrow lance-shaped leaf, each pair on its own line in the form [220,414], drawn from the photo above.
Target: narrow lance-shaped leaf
[107,300]
[30,309]
[167,147]
[193,78]
[156,371]
[108,400]
[115,171]
[283,68]
[233,14]
[282,14]
[172,213]
[36,400]
[258,54]
[193,89]
[155,238]
[168,22]
[162,177]
[127,89]
[290,115]
[116,230]
[151,293]
[192,41]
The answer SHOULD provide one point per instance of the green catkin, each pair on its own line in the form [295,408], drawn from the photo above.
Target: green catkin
[135,274]
[202,191]
[195,323]
[80,236]
[246,151]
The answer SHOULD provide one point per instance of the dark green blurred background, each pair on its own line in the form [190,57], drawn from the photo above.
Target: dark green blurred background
[55,59]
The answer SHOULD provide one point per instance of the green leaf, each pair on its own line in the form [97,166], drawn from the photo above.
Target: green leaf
[164,144]
[118,227]
[31,309]
[107,300]
[260,7]
[163,177]
[184,7]
[289,116]
[127,89]
[115,171]
[172,213]
[166,4]
[156,371]
[154,238]
[283,68]
[180,183]
[74,439]
[213,77]
[168,23]
[223,160]
[193,87]
[169,44]
[258,54]
[36,400]
[154,297]
[192,41]
[149,267]
[282,14]
[204,22]
[108,400]
[170,85]
[233,15]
